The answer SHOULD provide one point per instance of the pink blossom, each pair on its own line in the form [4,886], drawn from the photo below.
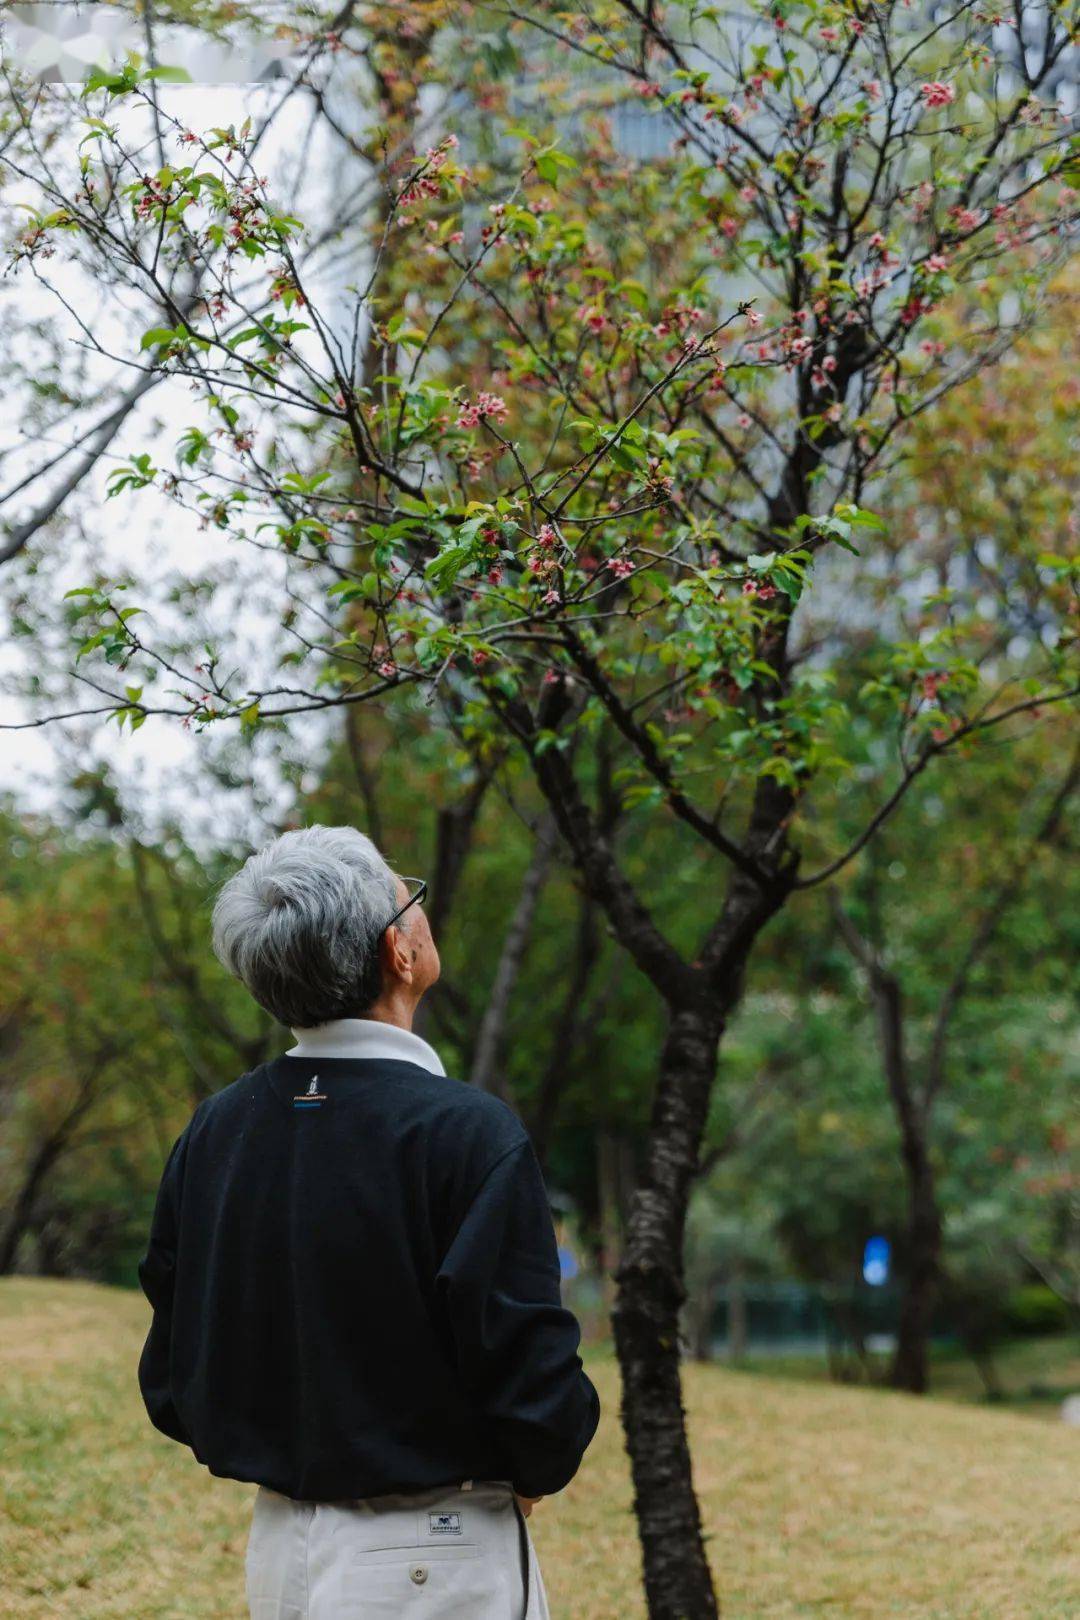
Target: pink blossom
[753,318]
[621,567]
[485,405]
[873,89]
[937,94]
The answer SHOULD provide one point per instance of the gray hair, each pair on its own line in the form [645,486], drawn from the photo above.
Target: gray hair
[300,924]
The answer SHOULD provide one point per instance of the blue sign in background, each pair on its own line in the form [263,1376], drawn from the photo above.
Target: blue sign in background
[876,1257]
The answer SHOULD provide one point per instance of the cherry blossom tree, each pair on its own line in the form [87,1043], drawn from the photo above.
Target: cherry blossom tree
[564,460]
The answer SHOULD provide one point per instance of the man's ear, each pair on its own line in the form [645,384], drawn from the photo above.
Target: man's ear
[397,959]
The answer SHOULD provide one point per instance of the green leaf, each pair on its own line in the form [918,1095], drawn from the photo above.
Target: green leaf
[157,337]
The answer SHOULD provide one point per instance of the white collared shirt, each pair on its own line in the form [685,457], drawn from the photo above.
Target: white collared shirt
[365,1038]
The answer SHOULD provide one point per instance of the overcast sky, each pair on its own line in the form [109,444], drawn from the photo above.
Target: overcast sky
[144,532]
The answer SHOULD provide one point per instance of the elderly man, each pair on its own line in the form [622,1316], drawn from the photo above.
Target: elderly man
[354,1277]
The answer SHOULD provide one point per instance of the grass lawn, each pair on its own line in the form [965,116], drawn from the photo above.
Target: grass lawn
[818,1500]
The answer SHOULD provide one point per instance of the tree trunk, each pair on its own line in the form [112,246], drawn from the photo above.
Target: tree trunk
[699,996]
[910,1368]
[651,1292]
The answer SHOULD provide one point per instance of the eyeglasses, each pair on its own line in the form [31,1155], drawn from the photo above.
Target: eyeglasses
[415,899]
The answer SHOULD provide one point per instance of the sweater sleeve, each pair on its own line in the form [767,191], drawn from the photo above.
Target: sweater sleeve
[156,1278]
[516,1345]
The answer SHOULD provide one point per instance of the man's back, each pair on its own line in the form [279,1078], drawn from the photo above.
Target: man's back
[356,1288]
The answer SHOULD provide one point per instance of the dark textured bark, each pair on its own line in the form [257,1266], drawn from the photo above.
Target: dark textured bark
[651,1292]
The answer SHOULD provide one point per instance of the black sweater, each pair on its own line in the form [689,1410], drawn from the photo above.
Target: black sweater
[355,1288]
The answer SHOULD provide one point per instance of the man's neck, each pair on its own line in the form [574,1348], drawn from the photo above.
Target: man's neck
[398,1013]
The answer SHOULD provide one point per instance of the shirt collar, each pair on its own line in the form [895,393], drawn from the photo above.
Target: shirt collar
[365,1038]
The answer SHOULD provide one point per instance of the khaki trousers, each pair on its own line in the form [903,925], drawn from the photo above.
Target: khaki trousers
[460,1552]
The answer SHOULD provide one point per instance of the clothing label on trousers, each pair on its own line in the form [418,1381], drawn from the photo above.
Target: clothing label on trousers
[444,1524]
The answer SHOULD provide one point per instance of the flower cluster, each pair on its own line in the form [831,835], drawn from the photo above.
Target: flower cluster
[427,181]
[937,94]
[484,405]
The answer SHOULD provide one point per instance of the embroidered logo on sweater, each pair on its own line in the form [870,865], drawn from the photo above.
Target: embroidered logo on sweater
[444,1524]
[312,1097]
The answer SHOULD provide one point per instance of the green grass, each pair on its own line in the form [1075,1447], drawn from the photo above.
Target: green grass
[817,1500]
